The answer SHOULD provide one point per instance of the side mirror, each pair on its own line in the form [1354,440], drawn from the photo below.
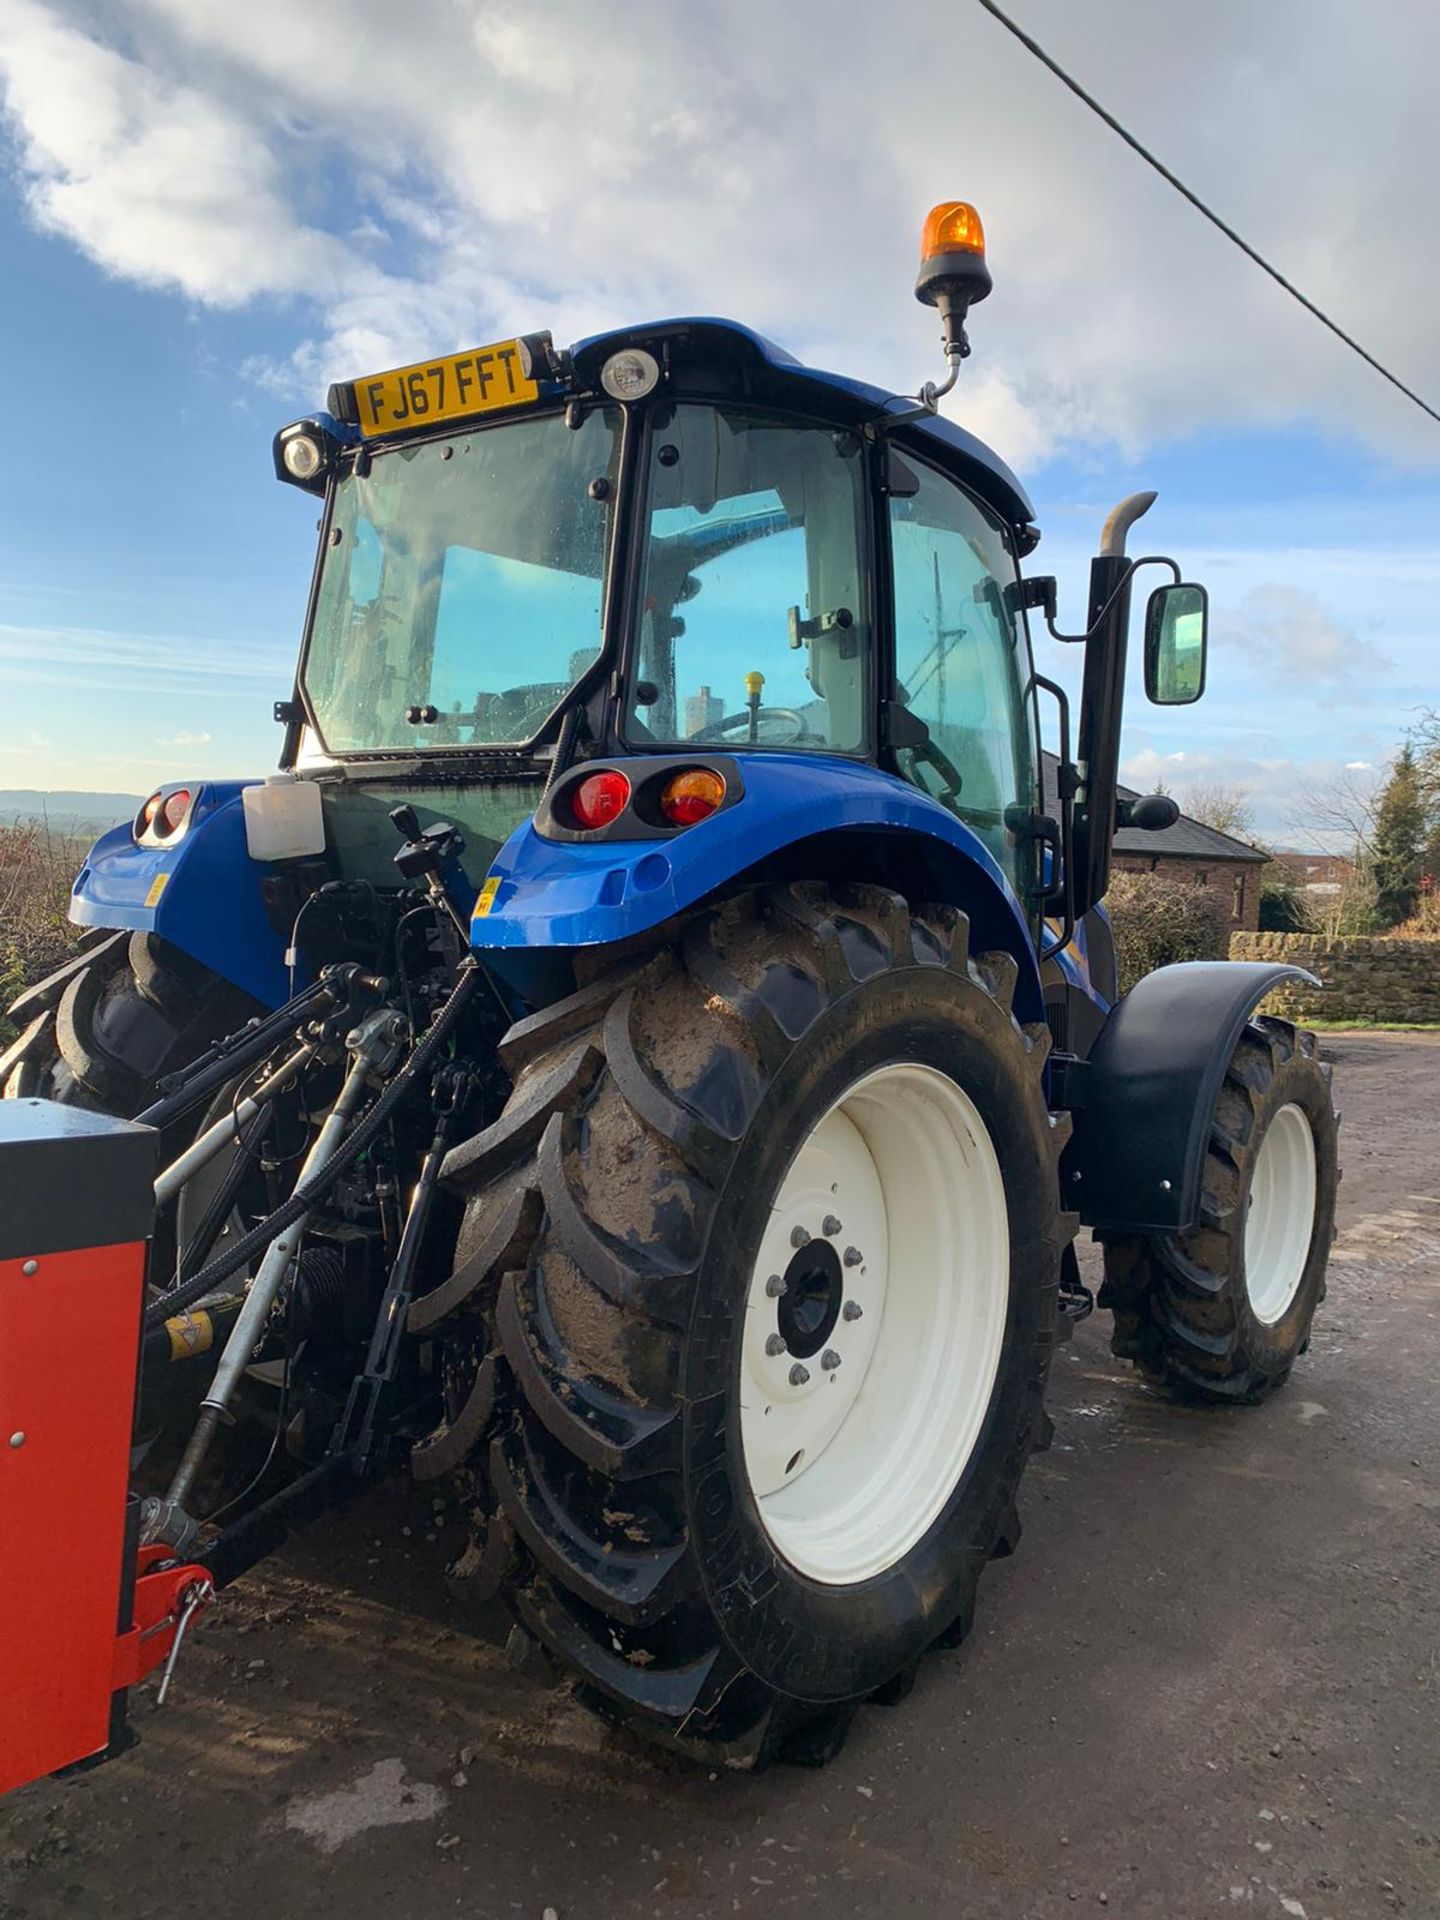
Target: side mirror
[1176,619]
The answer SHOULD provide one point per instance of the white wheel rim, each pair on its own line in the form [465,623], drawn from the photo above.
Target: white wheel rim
[1281,1219]
[900,1191]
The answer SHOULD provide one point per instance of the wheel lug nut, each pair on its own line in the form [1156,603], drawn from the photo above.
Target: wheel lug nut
[775,1285]
[832,1225]
[829,1359]
[799,1375]
[776,1344]
[852,1310]
[799,1237]
[853,1256]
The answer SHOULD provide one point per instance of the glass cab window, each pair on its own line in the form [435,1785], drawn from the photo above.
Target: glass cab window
[463,581]
[754,624]
[961,662]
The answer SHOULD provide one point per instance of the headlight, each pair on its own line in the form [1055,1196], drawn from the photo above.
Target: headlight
[305,453]
[303,456]
[630,375]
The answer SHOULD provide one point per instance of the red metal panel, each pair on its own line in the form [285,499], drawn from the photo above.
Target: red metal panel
[69,1348]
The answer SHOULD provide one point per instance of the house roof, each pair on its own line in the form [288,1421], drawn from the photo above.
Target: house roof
[1187,840]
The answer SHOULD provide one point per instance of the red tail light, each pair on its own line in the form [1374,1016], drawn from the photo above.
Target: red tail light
[173,809]
[601,798]
[147,815]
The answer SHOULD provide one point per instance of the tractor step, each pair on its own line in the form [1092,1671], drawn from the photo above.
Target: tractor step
[1076,1303]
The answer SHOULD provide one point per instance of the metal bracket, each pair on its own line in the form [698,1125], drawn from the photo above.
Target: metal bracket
[168,1597]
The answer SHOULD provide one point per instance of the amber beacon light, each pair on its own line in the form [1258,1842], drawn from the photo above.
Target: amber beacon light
[953,274]
[952,227]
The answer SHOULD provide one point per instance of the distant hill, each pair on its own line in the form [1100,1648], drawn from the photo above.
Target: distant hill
[68,812]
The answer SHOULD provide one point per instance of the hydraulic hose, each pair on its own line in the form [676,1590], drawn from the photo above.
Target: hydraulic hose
[303,1199]
[192,1256]
[226,1060]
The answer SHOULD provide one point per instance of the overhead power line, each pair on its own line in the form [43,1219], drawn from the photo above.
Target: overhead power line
[1200,206]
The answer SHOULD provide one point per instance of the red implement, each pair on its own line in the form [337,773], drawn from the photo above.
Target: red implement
[75,1625]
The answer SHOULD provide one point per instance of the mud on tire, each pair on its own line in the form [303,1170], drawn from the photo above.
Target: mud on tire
[1182,1303]
[591,1327]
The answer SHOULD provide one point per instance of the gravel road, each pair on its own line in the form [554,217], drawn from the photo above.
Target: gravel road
[1209,1682]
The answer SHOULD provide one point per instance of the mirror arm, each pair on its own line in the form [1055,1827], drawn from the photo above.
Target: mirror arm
[1078,639]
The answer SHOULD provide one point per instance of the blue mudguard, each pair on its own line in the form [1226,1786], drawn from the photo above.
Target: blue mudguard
[545,893]
[201,892]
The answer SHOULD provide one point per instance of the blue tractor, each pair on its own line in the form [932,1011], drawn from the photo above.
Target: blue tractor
[677,1136]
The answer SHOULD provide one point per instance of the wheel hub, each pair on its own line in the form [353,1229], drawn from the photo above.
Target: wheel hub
[813,1297]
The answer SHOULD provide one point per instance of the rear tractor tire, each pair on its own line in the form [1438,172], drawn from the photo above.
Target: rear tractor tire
[1223,1311]
[753,1309]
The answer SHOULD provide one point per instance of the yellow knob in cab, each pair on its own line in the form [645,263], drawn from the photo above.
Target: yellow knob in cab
[754,681]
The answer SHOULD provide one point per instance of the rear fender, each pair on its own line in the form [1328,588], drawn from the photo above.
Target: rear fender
[201,892]
[1144,1100]
[800,816]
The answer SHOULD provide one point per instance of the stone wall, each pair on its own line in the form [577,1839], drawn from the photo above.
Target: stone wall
[1363,978]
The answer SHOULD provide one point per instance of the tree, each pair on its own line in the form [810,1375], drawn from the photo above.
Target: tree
[1398,845]
[1159,921]
[1340,809]
[1426,742]
[1283,906]
[1228,809]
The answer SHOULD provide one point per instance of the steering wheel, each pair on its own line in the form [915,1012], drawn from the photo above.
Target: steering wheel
[739,724]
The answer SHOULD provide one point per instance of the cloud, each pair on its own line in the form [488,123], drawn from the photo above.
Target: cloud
[159,181]
[105,662]
[1300,643]
[413,178]
[1270,784]
[184,740]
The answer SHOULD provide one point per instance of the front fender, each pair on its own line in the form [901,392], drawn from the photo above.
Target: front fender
[201,892]
[1143,1101]
[545,894]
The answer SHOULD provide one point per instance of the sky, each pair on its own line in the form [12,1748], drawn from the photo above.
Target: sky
[208,212]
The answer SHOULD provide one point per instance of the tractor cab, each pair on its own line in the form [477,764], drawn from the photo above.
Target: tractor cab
[733,555]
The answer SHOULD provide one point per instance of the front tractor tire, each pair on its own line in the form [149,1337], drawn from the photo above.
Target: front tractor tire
[753,1309]
[1222,1312]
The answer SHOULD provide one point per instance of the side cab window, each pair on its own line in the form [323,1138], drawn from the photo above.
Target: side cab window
[962,661]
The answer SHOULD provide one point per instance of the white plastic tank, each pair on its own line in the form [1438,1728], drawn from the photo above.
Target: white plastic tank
[283,820]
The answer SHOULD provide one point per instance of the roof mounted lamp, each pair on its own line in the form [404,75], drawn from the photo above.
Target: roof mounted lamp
[953,276]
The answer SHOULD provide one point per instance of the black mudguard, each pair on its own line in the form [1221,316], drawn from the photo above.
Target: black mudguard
[1142,1103]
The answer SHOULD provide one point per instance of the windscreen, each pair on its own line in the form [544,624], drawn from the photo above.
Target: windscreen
[462,587]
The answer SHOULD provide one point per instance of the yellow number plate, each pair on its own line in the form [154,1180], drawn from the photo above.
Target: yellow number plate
[447,389]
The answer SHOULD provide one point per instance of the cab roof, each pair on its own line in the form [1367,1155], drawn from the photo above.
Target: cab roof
[745,361]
